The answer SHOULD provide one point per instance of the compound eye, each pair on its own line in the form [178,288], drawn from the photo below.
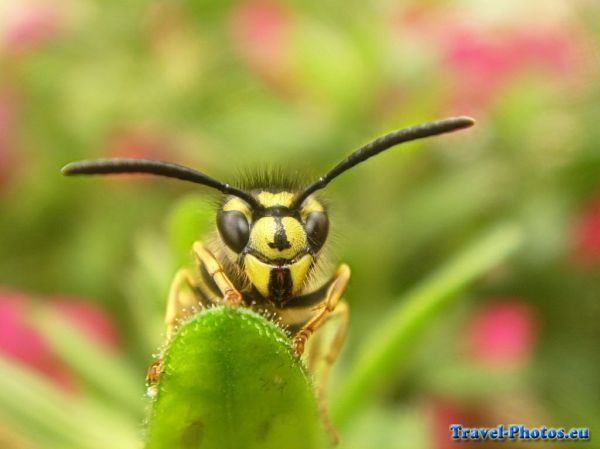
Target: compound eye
[234,229]
[317,227]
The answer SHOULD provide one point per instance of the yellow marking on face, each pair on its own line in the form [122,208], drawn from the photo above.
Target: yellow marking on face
[268,199]
[236,204]
[298,271]
[259,274]
[310,205]
[264,234]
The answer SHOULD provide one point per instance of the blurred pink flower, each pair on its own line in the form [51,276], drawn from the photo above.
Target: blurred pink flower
[89,319]
[30,26]
[443,412]
[258,29]
[138,144]
[482,64]
[585,235]
[20,341]
[480,61]
[503,333]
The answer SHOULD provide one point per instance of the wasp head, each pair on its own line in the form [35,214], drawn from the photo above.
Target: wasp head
[277,241]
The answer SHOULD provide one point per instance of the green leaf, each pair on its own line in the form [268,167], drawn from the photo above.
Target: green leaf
[391,343]
[231,380]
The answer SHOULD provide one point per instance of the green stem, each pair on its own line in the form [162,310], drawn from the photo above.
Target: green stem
[391,344]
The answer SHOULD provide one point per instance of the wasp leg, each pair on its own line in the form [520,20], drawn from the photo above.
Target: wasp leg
[341,313]
[332,298]
[321,373]
[231,296]
[180,305]
[331,307]
[183,304]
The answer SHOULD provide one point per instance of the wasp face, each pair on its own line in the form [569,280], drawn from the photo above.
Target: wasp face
[277,244]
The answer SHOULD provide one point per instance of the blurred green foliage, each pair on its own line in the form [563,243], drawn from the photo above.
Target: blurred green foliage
[227,85]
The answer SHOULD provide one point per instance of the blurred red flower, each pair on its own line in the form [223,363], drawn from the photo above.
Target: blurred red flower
[135,143]
[443,412]
[20,341]
[585,235]
[479,61]
[482,64]
[89,319]
[29,26]
[258,29]
[503,333]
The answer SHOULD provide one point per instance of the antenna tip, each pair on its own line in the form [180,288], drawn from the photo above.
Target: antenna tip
[465,121]
[68,169]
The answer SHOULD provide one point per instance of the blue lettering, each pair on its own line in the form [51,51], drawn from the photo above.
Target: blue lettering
[455,428]
[517,431]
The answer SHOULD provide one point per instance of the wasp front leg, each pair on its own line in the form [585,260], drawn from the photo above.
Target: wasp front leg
[329,307]
[189,293]
[334,293]
[182,304]
[320,363]
[231,296]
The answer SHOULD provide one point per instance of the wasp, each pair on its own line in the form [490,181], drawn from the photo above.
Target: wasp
[270,240]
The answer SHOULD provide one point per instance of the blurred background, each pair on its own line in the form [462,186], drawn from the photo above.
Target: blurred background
[225,86]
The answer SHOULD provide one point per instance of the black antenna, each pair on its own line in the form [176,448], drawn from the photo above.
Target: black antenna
[159,168]
[383,143]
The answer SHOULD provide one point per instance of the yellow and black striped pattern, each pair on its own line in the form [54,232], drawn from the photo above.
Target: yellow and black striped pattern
[277,259]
